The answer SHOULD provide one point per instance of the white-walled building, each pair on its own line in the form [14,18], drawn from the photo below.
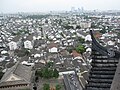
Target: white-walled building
[53,50]
[28,44]
[88,38]
[111,43]
[85,24]
[12,45]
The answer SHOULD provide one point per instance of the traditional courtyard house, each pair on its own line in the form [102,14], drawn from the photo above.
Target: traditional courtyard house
[17,77]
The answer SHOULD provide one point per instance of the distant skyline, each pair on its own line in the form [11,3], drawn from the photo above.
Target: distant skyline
[14,6]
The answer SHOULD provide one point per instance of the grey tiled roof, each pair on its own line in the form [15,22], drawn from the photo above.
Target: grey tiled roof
[16,39]
[19,70]
[12,83]
[30,37]
[23,72]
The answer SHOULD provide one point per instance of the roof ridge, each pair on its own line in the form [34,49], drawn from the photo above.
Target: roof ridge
[97,46]
[14,71]
[21,78]
[11,71]
[16,65]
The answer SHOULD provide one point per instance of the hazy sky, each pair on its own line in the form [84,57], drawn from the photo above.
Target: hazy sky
[54,5]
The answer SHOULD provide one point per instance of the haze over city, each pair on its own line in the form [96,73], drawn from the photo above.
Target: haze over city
[13,6]
[59,45]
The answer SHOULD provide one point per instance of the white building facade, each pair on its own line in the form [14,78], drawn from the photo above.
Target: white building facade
[12,45]
[28,44]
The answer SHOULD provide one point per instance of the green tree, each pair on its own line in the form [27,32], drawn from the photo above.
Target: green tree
[55,73]
[93,25]
[58,87]
[46,73]
[69,50]
[46,86]
[81,40]
[50,73]
[80,49]
[103,31]
[49,64]
[78,27]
